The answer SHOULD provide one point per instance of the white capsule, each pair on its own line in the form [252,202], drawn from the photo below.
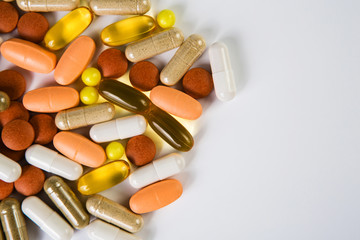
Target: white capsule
[157,170]
[10,170]
[120,128]
[99,230]
[222,73]
[51,161]
[46,218]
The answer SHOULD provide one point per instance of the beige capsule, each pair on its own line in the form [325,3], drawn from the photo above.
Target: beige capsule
[1,233]
[120,7]
[154,45]
[185,56]
[66,201]
[84,116]
[47,5]
[114,213]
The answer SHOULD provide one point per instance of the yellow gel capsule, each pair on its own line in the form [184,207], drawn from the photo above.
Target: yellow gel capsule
[89,95]
[104,177]
[114,151]
[68,28]
[166,18]
[127,30]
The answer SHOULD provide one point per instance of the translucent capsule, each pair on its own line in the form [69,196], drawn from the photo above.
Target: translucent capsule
[4,101]
[10,170]
[1,233]
[65,200]
[114,213]
[12,220]
[99,230]
[120,7]
[127,30]
[154,45]
[47,5]
[185,56]
[68,28]
[104,177]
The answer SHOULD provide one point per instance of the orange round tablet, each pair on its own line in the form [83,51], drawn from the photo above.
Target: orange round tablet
[31,181]
[13,83]
[5,189]
[45,128]
[33,26]
[15,111]
[18,135]
[9,17]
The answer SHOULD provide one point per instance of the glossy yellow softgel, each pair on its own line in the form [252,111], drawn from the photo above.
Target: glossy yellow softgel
[89,95]
[68,28]
[166,18]
[91,77]
[114,151]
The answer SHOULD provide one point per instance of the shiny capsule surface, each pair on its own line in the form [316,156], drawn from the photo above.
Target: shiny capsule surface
[47,5]
[100,230]
[4,101]
[120,7]
[12,220]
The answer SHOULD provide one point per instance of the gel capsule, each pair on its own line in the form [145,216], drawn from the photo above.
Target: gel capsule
[10,170]
[84,116]
[47,5]
[154,45]
[185,56]
[65,200]
[12,220]
[1,233]
[99,230]
[104,177]
[114,213]
[46,218]
[120,7]
[127,30]
[68,28]
[4,101]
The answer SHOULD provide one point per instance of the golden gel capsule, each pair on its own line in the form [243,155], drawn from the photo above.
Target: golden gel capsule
[154,45]
[185,56]
[1,233]
[104,177]
[68,28]
[127,30]
[66,201]
[12,220]
[120,7]
[47,5]
[114,213]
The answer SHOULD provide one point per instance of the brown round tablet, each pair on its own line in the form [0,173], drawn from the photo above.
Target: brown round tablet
[33,27]
[112,63]
[44,127]
[13,155]
[198,83]
[18,135]
[31,181]
[144,75]
[15,111]
[5,189]
[9,17]
[140,150]
[13,83]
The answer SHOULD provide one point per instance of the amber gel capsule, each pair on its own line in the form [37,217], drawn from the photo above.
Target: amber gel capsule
[47,5]
[120,7]
[133,100]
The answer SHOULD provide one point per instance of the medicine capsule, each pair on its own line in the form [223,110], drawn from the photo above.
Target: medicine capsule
[104,177]
[114,213]
[99,230]
[120,7]
[10,170]
[154,45]
[120,128]
[65,200]
[1,233]
[4,101]
[51,161]
[84,116]
[68,28]
[47,5]
[185,56]
[46,218]
[157,170]
[127,30]
[12,220]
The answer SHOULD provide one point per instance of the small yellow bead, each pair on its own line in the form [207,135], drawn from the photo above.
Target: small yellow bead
[91,77]
[166,18]
[89,95]
[114,151]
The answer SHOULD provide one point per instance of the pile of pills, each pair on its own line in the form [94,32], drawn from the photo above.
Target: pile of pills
[37,125]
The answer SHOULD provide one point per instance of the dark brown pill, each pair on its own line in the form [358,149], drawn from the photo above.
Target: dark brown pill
[144,76]
[13,83]
[18,135]
[5,189]
[33,27]
[13,155]
[198,83]
[9,17]
[112,63]
[15,111]
[31,181]
[140,150]
[44,127]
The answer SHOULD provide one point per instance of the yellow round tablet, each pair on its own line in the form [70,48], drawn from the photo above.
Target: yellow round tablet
[89,95]
[166,18]
[114,151]
[91,77]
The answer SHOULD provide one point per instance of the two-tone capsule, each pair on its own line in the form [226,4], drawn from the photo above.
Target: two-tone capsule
[47,5]
[120,7]
[10,170]
[12,219]
[99,230]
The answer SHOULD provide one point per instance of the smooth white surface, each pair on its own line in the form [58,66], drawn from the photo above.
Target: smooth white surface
[10,170]
[100,230]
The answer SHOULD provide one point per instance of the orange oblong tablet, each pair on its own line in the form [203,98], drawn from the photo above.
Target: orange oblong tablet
[176,102]
[51,99]
[156,196]
[74,60]
[28,55]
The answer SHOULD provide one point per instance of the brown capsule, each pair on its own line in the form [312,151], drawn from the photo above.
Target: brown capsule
[198,83]
[31,181]
[112,63]
[44,127]
[33,27]
[140,150]
[144,75]
[12,83]
[18,135]
[9,17]
[15,111]
[5,189]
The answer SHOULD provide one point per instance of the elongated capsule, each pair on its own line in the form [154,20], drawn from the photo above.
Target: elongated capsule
[99,230]
[104,177]
[10,170]
[120,7]
[47,5]
[154,45]
[185,56]
[84,116]
[12,220]
[46,218]
[1,233]
[61,34]
[114,213]
[65,200]
[127,30]
[120,128]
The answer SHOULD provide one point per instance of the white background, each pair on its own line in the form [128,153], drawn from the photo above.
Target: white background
[281,160]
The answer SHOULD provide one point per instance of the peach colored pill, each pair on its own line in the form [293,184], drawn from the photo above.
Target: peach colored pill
[28,55]
[74,60]
[51,99]
[176,102]
[156,196]
[79,149]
